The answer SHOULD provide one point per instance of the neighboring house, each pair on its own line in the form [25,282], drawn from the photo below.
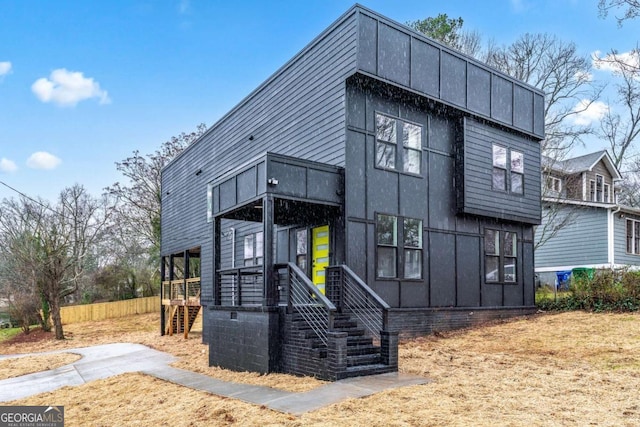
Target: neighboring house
[378,183]
[583,226]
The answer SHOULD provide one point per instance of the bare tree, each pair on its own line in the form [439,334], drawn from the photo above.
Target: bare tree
[141,194]
[556,68]
[621,129]
[48,244]
[631,9]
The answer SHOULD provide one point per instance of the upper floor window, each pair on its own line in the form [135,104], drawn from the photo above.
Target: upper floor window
[599,188]
[508,170]
[398,256]
[398,144]
[554,184]
[253,249]
[599,191]
[500,256]
[633,237]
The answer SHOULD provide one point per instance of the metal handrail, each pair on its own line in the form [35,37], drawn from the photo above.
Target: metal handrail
[316,309]
[241,286]
[358,298]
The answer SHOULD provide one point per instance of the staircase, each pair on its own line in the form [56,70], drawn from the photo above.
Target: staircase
[363,356]
[178,313]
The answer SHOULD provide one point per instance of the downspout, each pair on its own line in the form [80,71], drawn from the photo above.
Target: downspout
[612,234]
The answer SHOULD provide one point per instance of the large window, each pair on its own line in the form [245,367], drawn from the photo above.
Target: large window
[500,256]
[398,144]
[508,170]
[633,237]
[253,249]
[398,256]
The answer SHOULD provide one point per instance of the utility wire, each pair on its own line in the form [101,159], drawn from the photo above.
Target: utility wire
[32,199]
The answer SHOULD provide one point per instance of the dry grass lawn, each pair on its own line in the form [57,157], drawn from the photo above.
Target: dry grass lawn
[570,369]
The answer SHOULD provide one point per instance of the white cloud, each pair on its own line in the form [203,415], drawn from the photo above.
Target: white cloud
[5,68]
[587,114]
[67,88]
[7,165]
[43,160]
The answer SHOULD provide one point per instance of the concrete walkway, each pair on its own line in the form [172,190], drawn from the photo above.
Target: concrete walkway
[104,361]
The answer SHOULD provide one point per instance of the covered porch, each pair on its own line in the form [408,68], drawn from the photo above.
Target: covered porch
[283,300]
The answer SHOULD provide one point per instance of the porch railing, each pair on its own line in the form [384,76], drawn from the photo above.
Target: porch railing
[241,286]
[348,291]
[305,298]
[181,289]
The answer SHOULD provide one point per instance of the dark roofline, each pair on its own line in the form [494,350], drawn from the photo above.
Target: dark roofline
[355,9]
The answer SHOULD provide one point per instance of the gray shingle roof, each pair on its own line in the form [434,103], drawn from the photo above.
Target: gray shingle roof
[578,164]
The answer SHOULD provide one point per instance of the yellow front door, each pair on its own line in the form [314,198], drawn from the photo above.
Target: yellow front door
[320,255]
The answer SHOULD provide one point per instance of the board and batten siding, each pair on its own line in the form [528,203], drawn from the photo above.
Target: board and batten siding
[397,54]
[299,110]
[583,242]
[475,163]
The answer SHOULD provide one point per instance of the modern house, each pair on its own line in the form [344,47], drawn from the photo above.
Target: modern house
[583,225]
[377,184]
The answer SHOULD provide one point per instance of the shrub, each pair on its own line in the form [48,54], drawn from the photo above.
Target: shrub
[607,290]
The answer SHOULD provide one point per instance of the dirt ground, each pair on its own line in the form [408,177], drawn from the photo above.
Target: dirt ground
[570,369]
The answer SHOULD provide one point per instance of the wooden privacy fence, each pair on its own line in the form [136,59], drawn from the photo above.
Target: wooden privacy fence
[109,310]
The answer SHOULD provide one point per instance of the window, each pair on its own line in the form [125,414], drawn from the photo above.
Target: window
[599,187]
[554,184]
[253,249]
[500,256]
[508,170]
[633,237]
[387,239]
[607,193]
[392,133]
[517,172]
[209,202]
[301,249]
[399,257]
[499,168]
[592,190]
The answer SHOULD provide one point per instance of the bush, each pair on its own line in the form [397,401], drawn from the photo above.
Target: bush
[607,290]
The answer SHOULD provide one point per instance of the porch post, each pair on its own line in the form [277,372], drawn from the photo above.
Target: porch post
[163,260]
[186,274]
[270,291]
[217,300]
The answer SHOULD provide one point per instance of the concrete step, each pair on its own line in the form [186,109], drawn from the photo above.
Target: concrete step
[365,359]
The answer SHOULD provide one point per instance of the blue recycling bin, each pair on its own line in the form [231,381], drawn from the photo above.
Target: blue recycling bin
[563,279]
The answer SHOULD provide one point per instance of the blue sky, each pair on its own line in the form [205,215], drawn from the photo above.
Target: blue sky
[85,83]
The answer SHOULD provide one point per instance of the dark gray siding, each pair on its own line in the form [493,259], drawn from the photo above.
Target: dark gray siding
[402,56]
[298,111]
[453,243]
[476,162]
[582,242]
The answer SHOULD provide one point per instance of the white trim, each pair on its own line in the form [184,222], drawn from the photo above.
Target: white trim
[584,186]
[611,226]
[596,266]
[584,203]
